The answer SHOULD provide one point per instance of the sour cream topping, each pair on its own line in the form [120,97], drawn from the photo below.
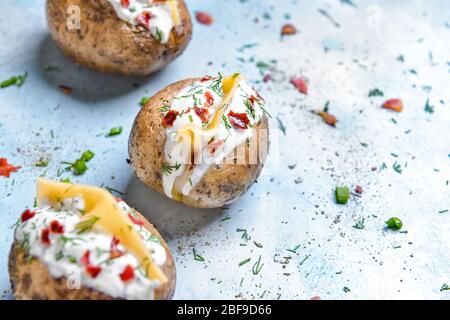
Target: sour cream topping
[156,16]
[197,104]
[93,257]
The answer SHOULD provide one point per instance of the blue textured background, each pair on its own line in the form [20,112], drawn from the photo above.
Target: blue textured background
[292,204]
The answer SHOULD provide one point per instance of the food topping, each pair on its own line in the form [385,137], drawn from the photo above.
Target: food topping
[393,104]
[6,169]
[27,215]
[159,17]
[169,118]
[87,229]
[204,18]
[211,117]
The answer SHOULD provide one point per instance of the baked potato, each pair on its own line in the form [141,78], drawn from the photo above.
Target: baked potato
[201,141]
[75,249]
[130,37]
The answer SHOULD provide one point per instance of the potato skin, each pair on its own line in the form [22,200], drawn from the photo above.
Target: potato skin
[109,44]
[221,185]
[30,279]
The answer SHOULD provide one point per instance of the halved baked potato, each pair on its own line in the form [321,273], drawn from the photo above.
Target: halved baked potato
[113,36]
[189,110]
[49,259]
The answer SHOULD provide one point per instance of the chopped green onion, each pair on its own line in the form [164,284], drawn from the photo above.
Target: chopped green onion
[342,195]
[16,80]
[79,167]
[87,155]
[394,223]
[114,131]
[144,101]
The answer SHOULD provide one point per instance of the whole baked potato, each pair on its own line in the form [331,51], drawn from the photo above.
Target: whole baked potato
[130,37]
[201,141]
[64,251]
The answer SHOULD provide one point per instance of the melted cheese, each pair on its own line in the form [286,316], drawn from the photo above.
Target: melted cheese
[101,204]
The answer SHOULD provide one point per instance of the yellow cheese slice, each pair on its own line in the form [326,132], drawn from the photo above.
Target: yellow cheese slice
[173,4]
[101,204]
[192,134]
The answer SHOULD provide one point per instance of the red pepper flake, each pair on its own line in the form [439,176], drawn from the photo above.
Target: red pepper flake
[135,220]
[393,104]
[144,19]
[239,120]
[209,99]
[204,18]
[45,236]
[85,258]
[300,84]
[267,78]
[202,113]
[114,251]
[127,274]
[288,30]
[27,215]
[205,78]
[358,189]
[6,169]
[169,118]
[93,271]
[65,89]
[125,3]
[56,227]
[328,118]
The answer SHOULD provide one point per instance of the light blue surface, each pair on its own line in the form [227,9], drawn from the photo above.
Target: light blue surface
[292,203]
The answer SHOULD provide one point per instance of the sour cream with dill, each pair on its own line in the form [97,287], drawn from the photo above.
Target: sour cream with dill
[52,235]
[157,17]
[196,105]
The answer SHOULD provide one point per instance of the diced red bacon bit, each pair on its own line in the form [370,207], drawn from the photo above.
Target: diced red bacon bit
[205,78]
[169,118]
[393,104]
[127,274]
[316,298]
[214,145]
[209,99]
[85,260]
[204,18]
[6,169]
[301,84]
[135,220]
[358,189]
[65,89]
[288,30]
[144,19]
[114,250]
[202,113]
[56,227]
[93,271]
[27,215]
[239,120]
[45,236]
[125,3]
[328,118]
[267,78]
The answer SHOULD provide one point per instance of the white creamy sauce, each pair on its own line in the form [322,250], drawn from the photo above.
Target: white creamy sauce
[161,21]
[63,256]
[232,137]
